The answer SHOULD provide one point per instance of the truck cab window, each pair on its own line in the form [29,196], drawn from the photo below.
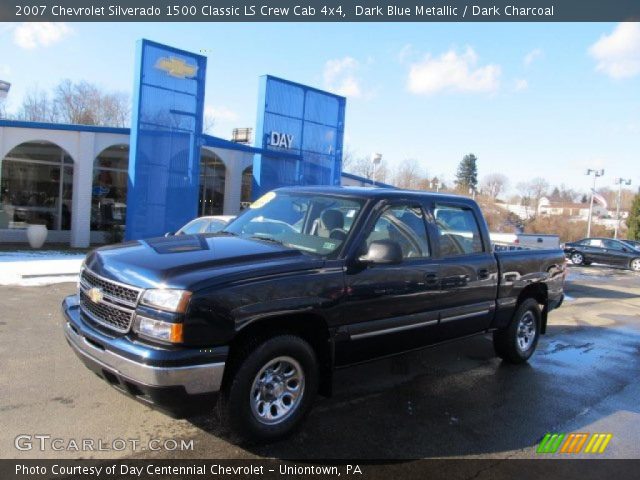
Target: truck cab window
[458,231]
[404,225]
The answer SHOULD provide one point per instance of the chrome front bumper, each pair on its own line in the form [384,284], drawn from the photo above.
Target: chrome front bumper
[196,379]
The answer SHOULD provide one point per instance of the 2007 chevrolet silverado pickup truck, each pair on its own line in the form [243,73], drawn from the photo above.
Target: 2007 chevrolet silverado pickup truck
[306,280]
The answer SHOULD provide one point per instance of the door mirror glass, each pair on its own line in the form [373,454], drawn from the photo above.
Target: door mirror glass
[383,252]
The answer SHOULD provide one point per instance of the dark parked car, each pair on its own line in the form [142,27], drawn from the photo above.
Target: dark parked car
[603,250]
[305,281]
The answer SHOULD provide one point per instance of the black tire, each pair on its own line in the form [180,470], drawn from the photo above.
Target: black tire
[507,341]
[235,401]
[577,258]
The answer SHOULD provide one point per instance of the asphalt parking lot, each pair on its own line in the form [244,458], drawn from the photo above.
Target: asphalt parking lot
[455,400]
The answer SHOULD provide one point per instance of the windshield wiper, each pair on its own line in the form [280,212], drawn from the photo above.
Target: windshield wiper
[268,239]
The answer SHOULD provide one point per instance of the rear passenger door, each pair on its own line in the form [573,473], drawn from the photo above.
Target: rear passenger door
[468,271]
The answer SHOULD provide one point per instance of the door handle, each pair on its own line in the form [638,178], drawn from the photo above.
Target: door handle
[430,278]
[483,273]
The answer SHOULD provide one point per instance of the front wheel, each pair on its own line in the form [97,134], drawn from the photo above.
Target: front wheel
[577,258]
[271,389]
[517,342]
[635,264]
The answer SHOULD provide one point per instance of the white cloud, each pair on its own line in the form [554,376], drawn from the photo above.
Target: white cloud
[453,72]
[39,34]
[340,77]
[618,54]
[520,85]
[220,113]
[532,56]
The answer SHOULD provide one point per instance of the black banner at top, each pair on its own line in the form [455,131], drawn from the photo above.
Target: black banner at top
[319,10]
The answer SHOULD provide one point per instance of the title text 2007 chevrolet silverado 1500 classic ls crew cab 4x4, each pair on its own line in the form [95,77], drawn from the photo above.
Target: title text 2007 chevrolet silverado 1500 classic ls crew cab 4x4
[307,280]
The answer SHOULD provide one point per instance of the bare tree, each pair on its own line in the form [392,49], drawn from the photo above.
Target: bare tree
[408,175]
[364,167]
[494,184]
[532,191]
[37,107]
[348,157]
[78,103]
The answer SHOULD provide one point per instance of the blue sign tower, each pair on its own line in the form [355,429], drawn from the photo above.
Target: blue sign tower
[300,130]
[166,130]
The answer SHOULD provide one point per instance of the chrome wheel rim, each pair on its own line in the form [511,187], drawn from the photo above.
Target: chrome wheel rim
[526,332]
[277,390]
[576,258]
[635,265]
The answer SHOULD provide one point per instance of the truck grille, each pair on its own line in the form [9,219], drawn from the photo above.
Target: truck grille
[106,302]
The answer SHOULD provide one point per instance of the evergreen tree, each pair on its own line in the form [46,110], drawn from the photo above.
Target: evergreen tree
[633,222]
[467,176]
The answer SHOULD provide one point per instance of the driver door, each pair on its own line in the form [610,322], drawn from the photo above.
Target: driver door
[391,308]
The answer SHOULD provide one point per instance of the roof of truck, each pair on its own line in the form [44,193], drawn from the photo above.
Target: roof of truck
[375,192]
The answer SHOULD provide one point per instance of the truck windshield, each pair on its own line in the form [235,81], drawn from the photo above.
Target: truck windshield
[317,224]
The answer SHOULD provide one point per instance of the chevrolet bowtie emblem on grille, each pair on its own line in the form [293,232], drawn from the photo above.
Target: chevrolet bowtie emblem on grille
[95,294]
[176,67]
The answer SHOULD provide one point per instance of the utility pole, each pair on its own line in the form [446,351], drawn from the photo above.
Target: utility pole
[376,158]
[619,181]
[596,174]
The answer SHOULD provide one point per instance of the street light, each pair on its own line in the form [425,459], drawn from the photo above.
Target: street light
[376,159]
[619,181]
[596,174]
[435,183]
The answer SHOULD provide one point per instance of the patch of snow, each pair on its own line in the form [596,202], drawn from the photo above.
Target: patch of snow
[39,267]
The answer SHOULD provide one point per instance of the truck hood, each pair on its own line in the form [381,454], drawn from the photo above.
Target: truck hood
[195,261]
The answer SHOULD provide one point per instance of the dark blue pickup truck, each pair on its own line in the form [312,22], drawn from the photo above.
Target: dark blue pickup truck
[257,317]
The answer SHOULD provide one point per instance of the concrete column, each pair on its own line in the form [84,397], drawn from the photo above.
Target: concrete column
[233,184]
[82,181]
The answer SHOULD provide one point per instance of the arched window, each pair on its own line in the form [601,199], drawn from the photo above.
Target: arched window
[247,185]
[109,191]
[212,183]
[36,186]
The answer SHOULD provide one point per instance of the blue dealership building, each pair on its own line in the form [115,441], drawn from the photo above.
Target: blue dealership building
[85,183]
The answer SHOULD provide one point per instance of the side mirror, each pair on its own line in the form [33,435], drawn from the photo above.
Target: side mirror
[383,252]
[169,234]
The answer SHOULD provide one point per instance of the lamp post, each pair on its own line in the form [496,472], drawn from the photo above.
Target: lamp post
[435,183]
[376,158]
[619,181]
[596,174]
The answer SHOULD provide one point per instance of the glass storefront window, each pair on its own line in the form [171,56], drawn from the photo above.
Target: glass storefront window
[109,189]
[36,187]
[212,184]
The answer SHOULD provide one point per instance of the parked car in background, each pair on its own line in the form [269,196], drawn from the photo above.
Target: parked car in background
[212,224]
[603,250]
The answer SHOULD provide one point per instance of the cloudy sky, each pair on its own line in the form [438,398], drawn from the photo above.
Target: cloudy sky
[527,99]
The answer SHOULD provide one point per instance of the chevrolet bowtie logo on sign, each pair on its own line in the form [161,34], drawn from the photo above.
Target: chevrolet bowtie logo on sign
[176,67]
[574,443]
[95,294]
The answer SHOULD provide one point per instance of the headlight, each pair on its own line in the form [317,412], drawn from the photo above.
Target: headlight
[168,332]
[167,299]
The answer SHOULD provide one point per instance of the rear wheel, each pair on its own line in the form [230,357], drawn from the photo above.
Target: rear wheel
[271,389]
[635,264]
[577,258]
[517,342]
